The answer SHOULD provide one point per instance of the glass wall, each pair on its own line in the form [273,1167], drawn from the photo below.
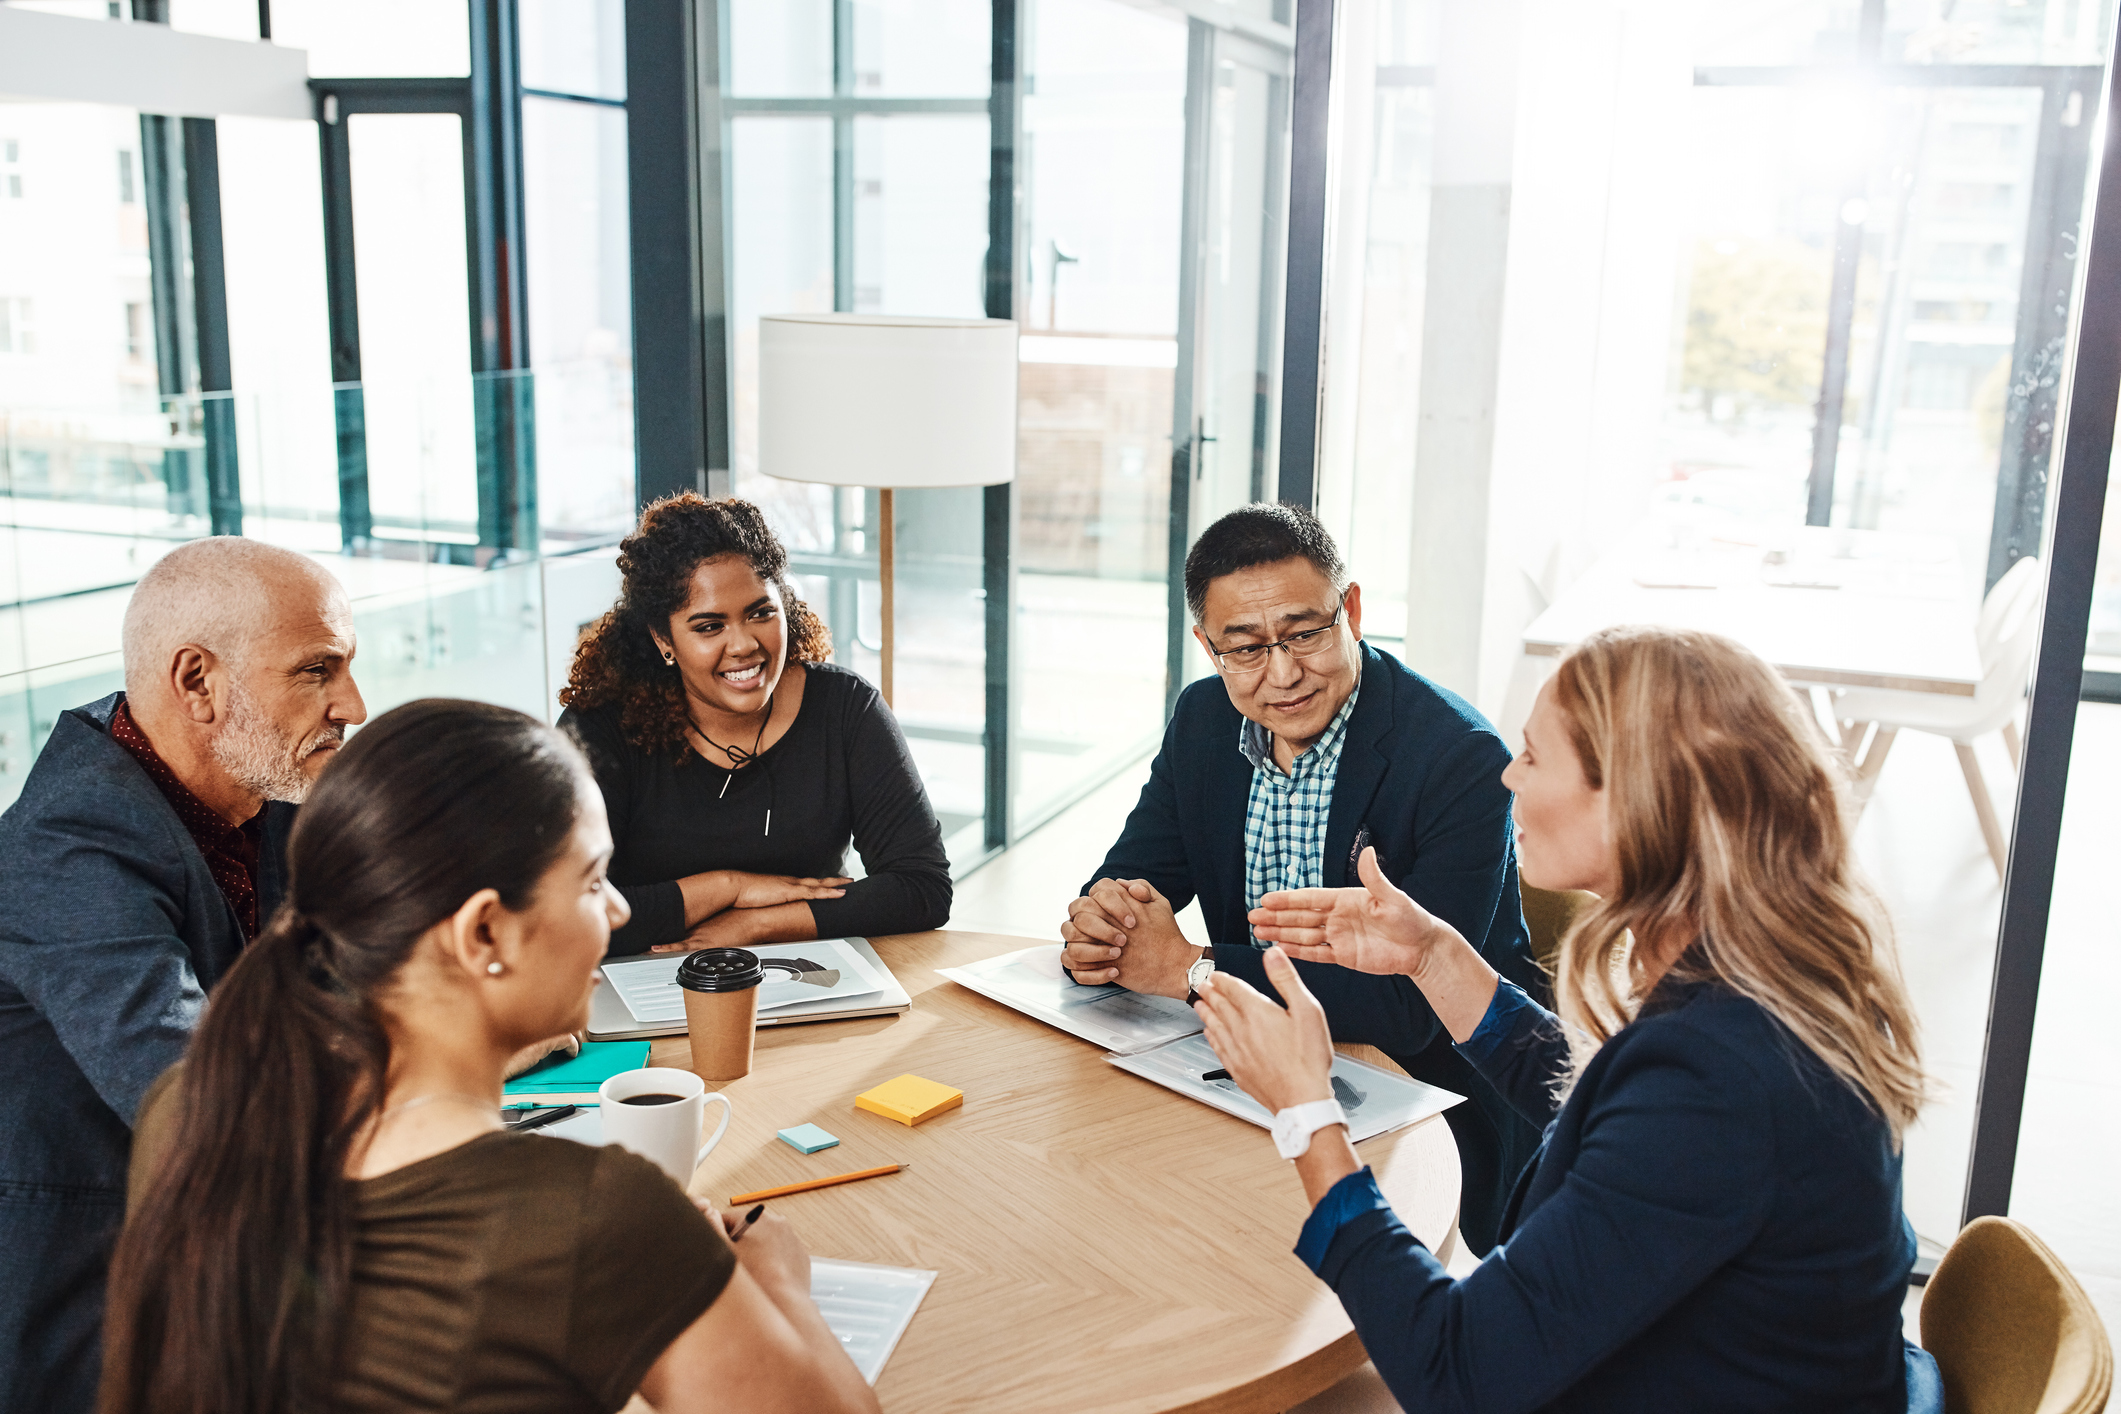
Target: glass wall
[1105,153]
[883,209]
[104,433]
[578,264]
[1152,190]
[94,472]
[376,38]
[415,314]
[1649,322]
[279,334]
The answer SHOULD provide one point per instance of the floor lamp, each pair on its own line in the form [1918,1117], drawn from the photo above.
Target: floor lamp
[890,401]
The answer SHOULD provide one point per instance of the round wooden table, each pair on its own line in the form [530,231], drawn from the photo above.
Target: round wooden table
[1103,1243]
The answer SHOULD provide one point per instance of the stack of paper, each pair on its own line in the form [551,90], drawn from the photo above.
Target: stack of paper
[868,1307]
[795,973]
[1032,981]
[1158,1038]
[1376,1100]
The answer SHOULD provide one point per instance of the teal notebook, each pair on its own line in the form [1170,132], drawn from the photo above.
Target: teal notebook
[599,1061]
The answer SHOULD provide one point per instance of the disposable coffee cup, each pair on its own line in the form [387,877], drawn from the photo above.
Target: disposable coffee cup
[721,988]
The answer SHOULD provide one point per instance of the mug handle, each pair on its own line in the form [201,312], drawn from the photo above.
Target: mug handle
[727,1110]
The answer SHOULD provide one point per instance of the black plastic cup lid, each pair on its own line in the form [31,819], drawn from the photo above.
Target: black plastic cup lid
[720,970]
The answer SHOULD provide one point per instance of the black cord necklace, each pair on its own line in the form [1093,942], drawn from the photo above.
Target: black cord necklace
[738,756]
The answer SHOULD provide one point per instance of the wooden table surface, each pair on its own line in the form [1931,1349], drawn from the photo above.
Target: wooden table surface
[1103,1243]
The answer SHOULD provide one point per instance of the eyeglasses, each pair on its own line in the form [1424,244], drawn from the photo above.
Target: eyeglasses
[1252,657]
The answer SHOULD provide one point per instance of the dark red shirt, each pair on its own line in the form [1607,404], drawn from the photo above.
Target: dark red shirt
[231,850]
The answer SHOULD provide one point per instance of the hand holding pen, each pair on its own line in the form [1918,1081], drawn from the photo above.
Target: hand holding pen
[767,1247]
[733,1227]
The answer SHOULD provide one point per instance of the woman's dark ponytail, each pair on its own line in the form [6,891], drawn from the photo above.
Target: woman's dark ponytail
[228,1287]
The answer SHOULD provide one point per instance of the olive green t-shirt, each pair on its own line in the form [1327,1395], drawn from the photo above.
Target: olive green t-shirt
[515,1272]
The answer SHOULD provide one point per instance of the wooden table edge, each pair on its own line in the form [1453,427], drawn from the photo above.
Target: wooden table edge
[1304,1378]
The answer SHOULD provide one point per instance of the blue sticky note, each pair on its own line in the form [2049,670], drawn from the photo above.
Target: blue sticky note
[599,1061]
[808,1138]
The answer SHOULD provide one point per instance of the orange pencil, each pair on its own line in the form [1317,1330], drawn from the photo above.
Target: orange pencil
[787,1188]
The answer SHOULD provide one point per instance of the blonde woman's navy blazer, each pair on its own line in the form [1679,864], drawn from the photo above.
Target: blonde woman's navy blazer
[1712,1223]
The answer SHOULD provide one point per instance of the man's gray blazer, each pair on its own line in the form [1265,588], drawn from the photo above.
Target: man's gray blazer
[112,930]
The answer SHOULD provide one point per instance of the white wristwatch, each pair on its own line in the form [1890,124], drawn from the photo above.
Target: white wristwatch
[1294,1126]
[1198,974]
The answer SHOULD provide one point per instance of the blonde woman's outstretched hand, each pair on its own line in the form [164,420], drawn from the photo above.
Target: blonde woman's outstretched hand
[1376,928]
[1279,1055]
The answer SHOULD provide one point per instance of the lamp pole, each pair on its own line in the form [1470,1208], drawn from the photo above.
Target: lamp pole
[887,532]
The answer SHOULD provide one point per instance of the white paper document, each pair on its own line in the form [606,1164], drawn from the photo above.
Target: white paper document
[1032,981]
[584,1126]
[795,973]
[867,1306]
[1376,1101]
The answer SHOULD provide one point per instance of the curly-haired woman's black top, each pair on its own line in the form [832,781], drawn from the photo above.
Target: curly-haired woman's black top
[841,773]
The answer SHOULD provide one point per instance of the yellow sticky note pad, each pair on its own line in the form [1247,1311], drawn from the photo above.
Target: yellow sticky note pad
[909,1099]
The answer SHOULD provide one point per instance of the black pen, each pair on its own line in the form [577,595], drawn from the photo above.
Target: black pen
[745,1226]
[540,1118]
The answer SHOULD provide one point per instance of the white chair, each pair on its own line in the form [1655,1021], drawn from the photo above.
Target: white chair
[2006,634]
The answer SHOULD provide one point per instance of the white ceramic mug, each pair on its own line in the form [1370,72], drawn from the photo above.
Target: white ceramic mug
[667,1135]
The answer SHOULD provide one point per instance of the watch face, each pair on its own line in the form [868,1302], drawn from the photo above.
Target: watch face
[1200,972]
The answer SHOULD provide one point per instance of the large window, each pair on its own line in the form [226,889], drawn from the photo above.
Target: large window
[1105,138]
[1150,196]
[1753,324]
[216,325]
[580,281]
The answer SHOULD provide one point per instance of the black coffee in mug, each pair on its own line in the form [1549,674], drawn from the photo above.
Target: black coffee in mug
[657,1099]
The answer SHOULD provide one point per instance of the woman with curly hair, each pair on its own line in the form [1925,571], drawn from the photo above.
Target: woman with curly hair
[737,762]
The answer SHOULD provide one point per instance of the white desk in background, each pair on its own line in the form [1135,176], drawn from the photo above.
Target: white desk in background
[1841,608]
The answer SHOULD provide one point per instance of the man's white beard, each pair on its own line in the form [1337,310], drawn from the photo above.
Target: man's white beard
[257,755]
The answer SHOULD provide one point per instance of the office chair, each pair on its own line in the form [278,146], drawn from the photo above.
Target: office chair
[2011,1330]
[2006,633]
[1548,915]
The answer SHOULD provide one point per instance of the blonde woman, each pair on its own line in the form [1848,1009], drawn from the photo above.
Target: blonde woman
[1713,1221]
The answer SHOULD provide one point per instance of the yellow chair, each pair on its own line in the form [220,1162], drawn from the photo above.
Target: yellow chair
[2011,1330]
[1549,914]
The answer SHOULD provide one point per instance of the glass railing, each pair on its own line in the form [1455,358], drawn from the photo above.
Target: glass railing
[470,520]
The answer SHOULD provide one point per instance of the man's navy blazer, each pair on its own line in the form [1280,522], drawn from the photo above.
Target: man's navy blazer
[112,931]
[1420,779]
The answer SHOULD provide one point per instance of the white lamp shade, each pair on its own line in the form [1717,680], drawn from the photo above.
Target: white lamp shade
[887,400]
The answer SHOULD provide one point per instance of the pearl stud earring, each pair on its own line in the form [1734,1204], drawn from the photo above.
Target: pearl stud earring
[494,969]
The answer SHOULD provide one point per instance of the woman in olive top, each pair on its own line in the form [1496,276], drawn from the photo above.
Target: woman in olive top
[1713,1220]
[326,1211]
[736,761]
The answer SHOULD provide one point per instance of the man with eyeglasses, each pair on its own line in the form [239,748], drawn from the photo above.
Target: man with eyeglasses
[1312,747]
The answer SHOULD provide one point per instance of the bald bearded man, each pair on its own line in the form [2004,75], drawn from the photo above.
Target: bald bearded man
[146,849]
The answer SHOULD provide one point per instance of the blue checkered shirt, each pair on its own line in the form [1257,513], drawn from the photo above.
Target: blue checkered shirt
[1285,814]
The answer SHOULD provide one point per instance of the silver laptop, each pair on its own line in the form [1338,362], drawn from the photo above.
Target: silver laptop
[790,968]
